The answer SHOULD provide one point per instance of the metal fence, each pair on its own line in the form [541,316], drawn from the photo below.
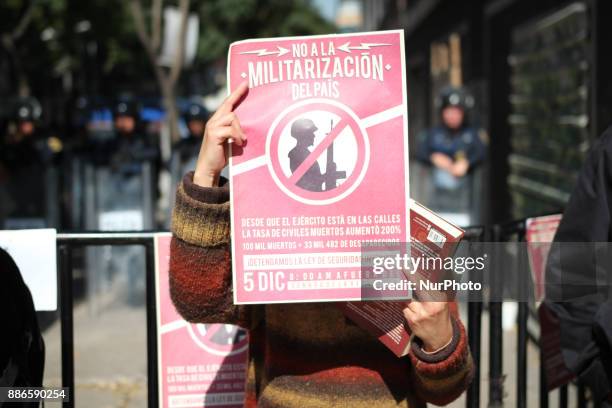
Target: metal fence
[67,242]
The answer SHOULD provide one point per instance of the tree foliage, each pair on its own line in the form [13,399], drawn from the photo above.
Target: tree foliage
[225,21]
[51,45]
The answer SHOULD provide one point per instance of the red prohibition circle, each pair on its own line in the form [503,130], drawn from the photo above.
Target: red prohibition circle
[351,122]
[207,342]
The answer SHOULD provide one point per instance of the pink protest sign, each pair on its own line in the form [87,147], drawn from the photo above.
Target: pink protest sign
[325,166]
[539,234]
[198,364]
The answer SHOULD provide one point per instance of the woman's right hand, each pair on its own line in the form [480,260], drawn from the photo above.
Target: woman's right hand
[223,126]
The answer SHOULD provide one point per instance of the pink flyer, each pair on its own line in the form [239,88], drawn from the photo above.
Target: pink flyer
[325,166]
[539,234]
[198,364]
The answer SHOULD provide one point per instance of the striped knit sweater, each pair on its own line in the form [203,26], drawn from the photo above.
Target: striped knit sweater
[301,355]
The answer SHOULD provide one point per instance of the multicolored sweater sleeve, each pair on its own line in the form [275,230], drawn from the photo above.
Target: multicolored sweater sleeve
[201,289]
[200,261]
[441,377]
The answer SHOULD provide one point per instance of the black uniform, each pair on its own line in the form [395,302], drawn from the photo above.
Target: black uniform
[129,152]
[185,152]
[579,273]
[24,159]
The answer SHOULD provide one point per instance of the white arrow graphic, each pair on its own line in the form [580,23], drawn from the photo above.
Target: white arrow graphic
[263,52]
[364,46]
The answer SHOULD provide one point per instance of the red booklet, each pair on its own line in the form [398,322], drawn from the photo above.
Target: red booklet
[431,237]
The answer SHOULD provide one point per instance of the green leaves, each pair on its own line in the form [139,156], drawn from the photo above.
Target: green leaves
[225,21]
[119,58]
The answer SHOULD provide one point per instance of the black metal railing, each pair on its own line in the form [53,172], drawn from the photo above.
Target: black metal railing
[66,243]
[496,233]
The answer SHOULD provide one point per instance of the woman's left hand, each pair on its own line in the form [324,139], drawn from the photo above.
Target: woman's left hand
[431,322]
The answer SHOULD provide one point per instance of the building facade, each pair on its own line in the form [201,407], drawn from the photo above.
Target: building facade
[538,71]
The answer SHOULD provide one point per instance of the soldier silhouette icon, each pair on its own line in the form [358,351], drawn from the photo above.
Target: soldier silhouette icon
[303,131]
[222,334]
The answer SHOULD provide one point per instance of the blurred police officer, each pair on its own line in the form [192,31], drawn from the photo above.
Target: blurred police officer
[24,156]
[454,149]
[130,194]
[134,159]
[23,144]
[188,147]
[131,147]
[185,151]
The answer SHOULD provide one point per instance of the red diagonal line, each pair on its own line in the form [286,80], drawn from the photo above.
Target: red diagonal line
[312,157]
[210,332]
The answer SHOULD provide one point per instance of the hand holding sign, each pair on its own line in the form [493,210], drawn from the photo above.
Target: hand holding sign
[221,127]
[430,322]
[307,191]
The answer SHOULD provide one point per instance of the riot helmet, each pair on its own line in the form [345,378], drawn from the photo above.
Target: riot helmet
[125,108]
[195,111]
[454,104]
[125,116]
[27,113]
[28,110]
[195,117]
[454,96]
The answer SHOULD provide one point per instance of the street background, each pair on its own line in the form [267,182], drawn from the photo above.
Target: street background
[536,73]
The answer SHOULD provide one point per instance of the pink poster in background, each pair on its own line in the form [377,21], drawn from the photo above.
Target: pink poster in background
[539,234]
[325,166]
[198,364]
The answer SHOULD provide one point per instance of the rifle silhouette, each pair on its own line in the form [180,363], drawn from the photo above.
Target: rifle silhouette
[332,175]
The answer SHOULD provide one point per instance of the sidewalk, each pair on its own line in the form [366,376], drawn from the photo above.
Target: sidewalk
[110,360]
[110,357]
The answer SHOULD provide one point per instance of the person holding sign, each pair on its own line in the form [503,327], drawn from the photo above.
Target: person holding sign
[301,355]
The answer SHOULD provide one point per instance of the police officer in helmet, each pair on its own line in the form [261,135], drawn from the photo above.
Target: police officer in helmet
[27,114]
[23,145]
[125,117]
[131,145]
[188,147]
[196,117]
[454,149]
[24,156]
[185,151]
